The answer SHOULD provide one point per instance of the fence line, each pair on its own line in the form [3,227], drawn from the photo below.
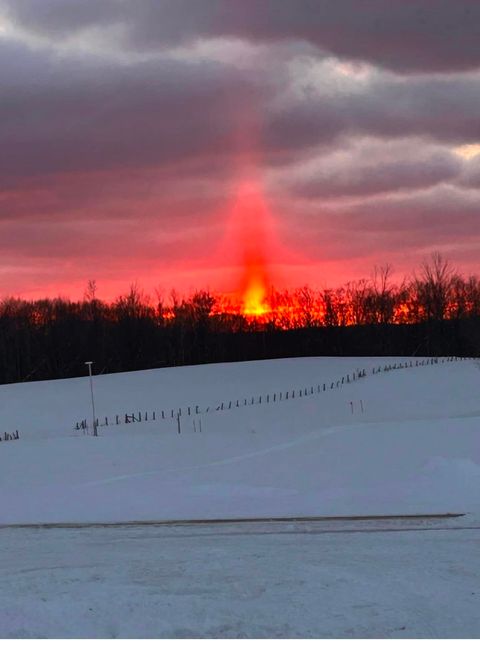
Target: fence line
[176,414]
[9,437]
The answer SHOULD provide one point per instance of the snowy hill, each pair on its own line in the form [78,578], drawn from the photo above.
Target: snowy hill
[390,442]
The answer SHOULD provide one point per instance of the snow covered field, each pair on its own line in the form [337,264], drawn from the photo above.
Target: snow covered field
[399,442]
[415,448]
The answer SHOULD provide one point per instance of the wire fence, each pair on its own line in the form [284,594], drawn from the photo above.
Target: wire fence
[179,414]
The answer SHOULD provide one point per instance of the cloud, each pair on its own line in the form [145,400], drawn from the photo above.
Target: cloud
[371,167]
[75,113]
[125,127]
[72,114]
[441,108]
[438,218]
[408,37]
[471,174]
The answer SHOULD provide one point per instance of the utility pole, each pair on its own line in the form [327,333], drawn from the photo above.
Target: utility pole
[90,363]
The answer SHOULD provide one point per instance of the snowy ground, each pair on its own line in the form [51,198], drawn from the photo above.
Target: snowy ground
[288,581]
[401,442]
[414,449]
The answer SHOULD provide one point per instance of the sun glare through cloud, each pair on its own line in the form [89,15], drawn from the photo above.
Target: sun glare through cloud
[468,151]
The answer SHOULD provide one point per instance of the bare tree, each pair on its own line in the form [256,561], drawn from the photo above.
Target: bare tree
[385,294]
[434,287]
[90,293]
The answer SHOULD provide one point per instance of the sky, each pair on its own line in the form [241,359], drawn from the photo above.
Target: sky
[165,142]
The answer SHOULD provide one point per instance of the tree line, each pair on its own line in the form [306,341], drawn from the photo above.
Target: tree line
[434,312]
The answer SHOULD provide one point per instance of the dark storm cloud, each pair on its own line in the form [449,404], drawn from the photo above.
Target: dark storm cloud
[406,36]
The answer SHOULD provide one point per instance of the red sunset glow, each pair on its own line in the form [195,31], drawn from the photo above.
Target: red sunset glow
[230,157]
[252,230]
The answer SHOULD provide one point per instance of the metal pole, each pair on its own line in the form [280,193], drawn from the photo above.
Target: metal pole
[90,363]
